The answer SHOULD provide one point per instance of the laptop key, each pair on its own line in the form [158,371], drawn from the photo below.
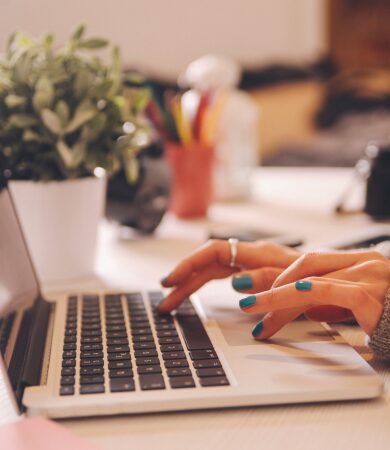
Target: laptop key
[144,345]
[182,382]
[119,365]
[149,369]
[171,347]
[141,353]
[92,389]
[141,331]
[137,325]
[72,346]
[91,347]
[176,363]
[68,362]
[119,356]
[167,333]
[91,371]
[117,341]
[91,362]
[147,361]
[70,339]
[138,318]
[122,385]
[214,381]
[144,338]
[91,340]
[179,372]
[116,334]
[91,354]
[67,354]
[67,371]
[67,390]
[165,326]
[117,348]
[173,355]
[121,373]
[210,372]
[203,354]
[194,332]
[92,379]
[205,363]
[169,340]
[67,381]
[151,382]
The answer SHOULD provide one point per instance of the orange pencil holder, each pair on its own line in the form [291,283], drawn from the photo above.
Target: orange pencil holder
[192,173]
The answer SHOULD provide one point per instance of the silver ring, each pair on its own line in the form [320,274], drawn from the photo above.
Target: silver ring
[233,244]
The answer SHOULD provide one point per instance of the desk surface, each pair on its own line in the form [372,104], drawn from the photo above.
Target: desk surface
[296,201]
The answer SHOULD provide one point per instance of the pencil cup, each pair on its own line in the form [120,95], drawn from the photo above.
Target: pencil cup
[192,172]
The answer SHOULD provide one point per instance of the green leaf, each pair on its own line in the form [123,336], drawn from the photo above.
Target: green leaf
[13,101]
[65,153]
[29,135]
[93,43]
[62,111]
[44,94]
[79,119]
[48,41]
[51,121]
[22,121]
[81,83]
[78,32]
[131,166]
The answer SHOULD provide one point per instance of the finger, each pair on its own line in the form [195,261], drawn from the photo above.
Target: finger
[250,255]
[272,322]
[329,313]
[318,264]
[192,284]
[319,291]
[366,309]
[253,281]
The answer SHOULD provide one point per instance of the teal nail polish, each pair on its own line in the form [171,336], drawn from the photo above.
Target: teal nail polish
[248,301]
[303,285]
[258,329]
[242,282]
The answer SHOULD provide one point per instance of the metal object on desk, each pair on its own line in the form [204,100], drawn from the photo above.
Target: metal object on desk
[142,205]
[374,170]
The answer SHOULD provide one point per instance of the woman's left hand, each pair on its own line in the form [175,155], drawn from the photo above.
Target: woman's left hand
[330,285]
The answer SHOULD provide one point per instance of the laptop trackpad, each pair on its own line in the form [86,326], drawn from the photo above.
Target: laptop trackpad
[236,327]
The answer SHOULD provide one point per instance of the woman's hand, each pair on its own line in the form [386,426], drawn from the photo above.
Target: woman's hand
[258,265]
[326,287]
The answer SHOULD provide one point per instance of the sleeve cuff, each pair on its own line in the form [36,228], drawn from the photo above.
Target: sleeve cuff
[379,342]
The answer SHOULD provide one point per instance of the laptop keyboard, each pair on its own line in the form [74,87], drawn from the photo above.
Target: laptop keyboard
[118,343]
[5,330]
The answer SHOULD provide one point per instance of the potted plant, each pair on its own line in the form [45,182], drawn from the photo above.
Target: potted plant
[67,120]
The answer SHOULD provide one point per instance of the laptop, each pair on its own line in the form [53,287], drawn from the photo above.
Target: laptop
[106,353]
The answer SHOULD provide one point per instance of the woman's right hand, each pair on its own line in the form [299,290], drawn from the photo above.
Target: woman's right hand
[258,264]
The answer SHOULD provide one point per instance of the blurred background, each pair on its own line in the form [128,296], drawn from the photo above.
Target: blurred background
[318,69]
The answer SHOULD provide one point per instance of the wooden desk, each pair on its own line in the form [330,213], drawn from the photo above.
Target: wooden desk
[298,201]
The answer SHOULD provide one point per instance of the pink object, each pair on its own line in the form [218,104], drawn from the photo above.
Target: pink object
[192,170]
[39,434]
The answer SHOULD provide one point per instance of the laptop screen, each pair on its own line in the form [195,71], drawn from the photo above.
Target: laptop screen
[19,287]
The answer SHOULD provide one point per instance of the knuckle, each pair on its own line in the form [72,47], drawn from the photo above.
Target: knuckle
[375,255]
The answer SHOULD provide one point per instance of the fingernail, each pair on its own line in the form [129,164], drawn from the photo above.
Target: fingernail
[258,329]
[247,301]
[242,282]
[303,285]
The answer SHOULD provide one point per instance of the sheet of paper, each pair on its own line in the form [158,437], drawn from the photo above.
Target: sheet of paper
[37,433]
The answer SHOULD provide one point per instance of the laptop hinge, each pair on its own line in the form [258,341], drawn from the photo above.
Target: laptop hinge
[26,362]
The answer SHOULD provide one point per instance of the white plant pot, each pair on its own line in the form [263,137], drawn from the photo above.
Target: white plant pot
[60,221]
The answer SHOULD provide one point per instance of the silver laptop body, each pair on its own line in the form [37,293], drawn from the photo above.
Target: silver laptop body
[105,353]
